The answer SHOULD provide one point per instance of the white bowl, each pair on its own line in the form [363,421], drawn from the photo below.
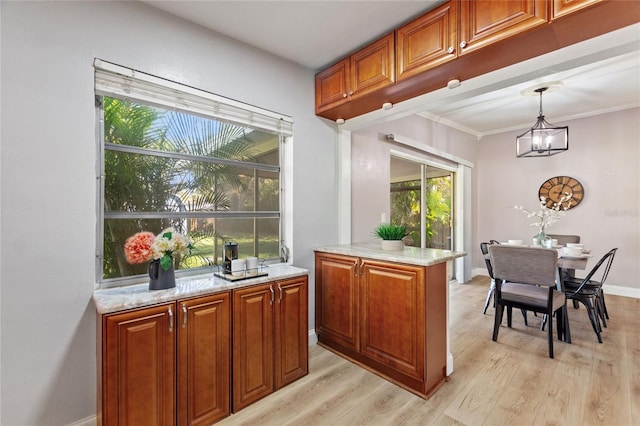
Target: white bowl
[514,242]
[575,245]
[572,251]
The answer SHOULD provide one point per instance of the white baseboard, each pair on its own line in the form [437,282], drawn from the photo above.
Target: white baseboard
[615,290]
[313,337]
[87,421]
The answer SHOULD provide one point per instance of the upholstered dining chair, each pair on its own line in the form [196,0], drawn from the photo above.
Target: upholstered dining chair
[526,279]
[484,247]
[588,291]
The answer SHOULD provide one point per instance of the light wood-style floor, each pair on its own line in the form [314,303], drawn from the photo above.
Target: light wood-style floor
[509,382]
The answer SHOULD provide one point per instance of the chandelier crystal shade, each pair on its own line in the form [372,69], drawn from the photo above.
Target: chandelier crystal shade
[543,139]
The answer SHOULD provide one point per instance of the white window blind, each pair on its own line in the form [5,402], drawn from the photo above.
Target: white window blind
[126,83]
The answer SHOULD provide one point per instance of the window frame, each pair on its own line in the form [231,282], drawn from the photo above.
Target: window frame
[278,124]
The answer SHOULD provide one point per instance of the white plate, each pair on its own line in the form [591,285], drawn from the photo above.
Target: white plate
[579,257]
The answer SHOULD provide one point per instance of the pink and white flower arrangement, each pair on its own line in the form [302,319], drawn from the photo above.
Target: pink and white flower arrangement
[144,246]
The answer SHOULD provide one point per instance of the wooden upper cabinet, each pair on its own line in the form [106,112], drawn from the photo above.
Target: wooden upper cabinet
[564,7]
[367,70]
[332,86]
[428,41]
[373,67]
[483,22]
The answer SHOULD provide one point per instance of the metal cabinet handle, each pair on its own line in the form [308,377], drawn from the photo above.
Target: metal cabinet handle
[463,44]
[355,268]
[280,290]
[184,315]
[273,294]
[350,92]
[361,266]
[344,95]
[170,320]
[451,49]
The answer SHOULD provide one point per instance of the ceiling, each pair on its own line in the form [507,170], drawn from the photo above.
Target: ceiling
[590,78]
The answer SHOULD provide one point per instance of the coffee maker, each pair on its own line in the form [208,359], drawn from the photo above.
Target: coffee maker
[230,253]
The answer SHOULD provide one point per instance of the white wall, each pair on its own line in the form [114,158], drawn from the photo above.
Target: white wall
[604,155]
[370,164]
[48,217]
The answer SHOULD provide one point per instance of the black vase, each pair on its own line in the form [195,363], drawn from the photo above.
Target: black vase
[159,279]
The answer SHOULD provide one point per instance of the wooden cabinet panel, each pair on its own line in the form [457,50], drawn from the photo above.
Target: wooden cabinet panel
[332,86]
[373,67]
[292,336]
[400,311]
[393,315]
[483,22]
[428,41]
[139,372]
[367,70]
[253,376]
[337,298]
[204,346]
[565,7]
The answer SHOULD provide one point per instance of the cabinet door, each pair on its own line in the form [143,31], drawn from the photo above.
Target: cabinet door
[393,316]
[373,67]
[565,7]
[428,41]
[332,86]
[337,300]
[291,322]
[139,367]
[483,22]
[253,376]
[204,346]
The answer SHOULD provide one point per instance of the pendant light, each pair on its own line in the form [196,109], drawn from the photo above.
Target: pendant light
[543,139]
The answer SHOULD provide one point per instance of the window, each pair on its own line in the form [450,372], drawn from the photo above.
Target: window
[175,156]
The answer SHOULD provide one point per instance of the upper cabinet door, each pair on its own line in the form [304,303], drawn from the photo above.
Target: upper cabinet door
[332,86]
[483,22]
[428,41]
[564,7]
[373,67]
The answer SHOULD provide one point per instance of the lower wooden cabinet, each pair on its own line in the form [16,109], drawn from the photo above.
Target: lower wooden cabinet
[138,367]
[388,317]
[204,367]
[171,364]
[270,340]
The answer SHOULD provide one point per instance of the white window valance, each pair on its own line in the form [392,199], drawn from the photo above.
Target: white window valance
[126,83]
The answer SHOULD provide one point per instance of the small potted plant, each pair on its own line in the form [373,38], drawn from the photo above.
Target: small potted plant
[391,236]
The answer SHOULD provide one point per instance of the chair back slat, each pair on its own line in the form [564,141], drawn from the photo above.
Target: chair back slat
[535,266]
[606,260]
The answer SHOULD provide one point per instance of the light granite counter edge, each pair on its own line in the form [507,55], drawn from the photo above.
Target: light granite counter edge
[409,255]
[116,299]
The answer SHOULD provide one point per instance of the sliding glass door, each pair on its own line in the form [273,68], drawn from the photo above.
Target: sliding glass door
[422,198]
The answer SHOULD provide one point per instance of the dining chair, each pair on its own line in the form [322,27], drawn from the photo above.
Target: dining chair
[526,279]
[484,247]
[588,291]
[563,240]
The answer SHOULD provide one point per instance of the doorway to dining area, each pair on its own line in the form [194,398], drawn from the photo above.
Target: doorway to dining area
[421,197]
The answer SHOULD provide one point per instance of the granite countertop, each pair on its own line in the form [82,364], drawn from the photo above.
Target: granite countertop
[116,299]
[410,255]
